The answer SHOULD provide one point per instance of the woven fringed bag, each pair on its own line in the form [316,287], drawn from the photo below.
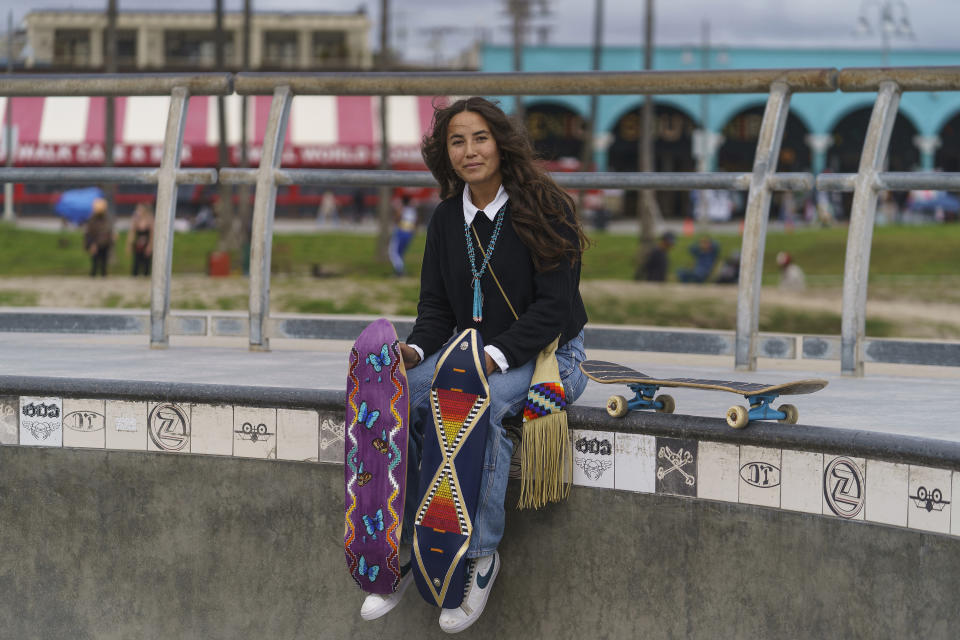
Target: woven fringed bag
[546,461]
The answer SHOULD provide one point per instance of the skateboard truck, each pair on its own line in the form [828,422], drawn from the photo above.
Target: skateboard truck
[645,398]
[761,409]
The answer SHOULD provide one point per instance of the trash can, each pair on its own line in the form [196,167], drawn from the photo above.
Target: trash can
[218,263]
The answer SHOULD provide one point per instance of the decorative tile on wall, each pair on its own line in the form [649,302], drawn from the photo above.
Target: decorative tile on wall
[760,476]
[887,486]
[844,489]
[636,462]
[801,481]
[298,435]
[593,458]
[677,466]
[929,501]
[211,429]
[126,426]
[718,467]
[255,432]
[9,421]
[41,421]
[168,426]
[331,436]
[83,423]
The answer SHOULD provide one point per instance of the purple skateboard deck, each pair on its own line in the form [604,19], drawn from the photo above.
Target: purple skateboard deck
[450,471]
[375,450]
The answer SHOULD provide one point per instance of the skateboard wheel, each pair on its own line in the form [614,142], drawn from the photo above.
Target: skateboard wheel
[668,403]
[617,406]
[737,417]
[792,413]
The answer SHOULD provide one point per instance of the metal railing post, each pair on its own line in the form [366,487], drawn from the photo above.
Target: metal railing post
[755,225]
[163,224]
[856,268]
[261,237]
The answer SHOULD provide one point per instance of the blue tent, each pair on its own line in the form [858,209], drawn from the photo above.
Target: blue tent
[76,204]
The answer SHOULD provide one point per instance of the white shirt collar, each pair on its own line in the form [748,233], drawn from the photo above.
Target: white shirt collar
[470,210]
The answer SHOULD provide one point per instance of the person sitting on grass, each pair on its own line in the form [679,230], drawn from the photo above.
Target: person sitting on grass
[705,253]
[657,263]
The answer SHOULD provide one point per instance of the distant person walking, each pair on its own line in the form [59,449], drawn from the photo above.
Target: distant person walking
[98,238]
[705,253]
[657,263]
[327,211]
[140,239]
[791,275]
[406,219]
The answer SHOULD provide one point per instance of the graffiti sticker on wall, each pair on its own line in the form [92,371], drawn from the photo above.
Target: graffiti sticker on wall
[41,421]
[84,421]
[843,487]
[760,474]
[929,499]
[169,427]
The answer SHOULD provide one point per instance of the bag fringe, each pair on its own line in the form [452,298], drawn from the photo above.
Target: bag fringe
[546,461]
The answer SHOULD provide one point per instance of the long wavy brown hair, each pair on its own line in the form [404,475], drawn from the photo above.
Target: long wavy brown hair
[538,206]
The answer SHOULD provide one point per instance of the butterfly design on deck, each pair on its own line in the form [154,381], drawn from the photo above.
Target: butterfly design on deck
[381,360]
[371,571]
[380,444]
[363,477]
[366,417]
[373,524]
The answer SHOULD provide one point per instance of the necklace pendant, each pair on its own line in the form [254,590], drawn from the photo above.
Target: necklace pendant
[477,301]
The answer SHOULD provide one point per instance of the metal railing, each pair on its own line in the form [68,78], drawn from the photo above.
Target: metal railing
[779,84]
[167,176]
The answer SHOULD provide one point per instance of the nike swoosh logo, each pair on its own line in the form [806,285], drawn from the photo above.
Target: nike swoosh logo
[483,580]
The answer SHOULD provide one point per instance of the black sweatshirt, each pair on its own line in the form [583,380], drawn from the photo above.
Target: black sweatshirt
[548,303]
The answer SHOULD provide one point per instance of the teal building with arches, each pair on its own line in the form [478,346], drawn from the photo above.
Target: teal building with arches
[824,131]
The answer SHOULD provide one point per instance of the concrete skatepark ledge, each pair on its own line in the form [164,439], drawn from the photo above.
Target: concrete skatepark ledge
[147,509]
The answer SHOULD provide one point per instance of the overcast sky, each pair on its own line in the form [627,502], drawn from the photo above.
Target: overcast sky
[736,22]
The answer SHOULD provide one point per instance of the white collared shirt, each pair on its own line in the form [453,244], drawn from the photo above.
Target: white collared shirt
[469,213]
[490,210]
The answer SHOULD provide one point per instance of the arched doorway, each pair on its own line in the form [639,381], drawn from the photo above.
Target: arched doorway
[948,155]
[848,136]
[739,148]
[672,151]
[843,156]
[557,134]
[740,143]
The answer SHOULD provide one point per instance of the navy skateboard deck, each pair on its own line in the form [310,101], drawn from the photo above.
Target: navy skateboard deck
[450,470]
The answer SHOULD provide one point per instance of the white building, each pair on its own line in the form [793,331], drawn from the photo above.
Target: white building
[169,41]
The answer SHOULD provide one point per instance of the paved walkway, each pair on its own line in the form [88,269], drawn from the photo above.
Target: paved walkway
[918,401]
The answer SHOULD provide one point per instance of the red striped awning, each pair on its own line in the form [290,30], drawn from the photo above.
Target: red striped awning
[323,131]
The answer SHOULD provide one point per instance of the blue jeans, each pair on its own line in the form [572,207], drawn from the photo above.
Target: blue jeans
[508,391]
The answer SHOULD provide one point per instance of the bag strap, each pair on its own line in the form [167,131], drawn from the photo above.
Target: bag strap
[495,279]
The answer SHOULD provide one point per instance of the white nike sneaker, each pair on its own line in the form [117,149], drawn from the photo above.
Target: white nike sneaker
[480,577]
[376,605]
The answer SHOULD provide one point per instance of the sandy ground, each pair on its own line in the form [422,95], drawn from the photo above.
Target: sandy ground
[200,291]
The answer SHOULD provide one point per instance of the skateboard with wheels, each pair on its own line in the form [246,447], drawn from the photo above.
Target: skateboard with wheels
[451,470]
[644,387]
[375,457]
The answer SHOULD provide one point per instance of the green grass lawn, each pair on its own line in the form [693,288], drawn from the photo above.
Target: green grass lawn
[908,264]
[897,251]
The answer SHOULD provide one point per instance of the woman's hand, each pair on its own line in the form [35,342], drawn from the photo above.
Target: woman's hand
[410,356]
[491,364]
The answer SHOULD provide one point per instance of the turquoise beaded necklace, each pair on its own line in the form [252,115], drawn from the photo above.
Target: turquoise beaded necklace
[478,273]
